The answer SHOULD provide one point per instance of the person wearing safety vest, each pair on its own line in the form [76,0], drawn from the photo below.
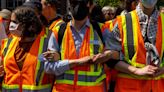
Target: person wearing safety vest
[139,38]
[46,10]
[22,70]
[110,72]
[37,6]
[4,22]
[4,32]
[50,13]
[81,49]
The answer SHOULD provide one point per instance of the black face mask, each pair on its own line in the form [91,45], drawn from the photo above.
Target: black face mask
[80,11]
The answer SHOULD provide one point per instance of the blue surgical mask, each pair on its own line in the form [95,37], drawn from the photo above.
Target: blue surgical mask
[148,3]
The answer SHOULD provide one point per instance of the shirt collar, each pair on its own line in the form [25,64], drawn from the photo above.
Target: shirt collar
[143,17]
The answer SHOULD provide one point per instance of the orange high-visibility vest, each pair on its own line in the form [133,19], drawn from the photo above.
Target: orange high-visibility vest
[110,73]
[110,24]
[135,54]
[51,28]
[55,23]
[1,19]
[86,78]
[45,32]
[32,77]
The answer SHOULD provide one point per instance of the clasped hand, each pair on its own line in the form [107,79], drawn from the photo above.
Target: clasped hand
[150,70]
[98,58]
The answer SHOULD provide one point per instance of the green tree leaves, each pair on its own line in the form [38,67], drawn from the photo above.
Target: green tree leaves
[107,2]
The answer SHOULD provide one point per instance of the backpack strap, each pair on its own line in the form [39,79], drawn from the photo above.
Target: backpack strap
[62,28]
[61,33]
[97,28]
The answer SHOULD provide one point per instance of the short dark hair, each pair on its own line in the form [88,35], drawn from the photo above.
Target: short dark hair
[27,19]
[54,3]
[128,4]
[34,4]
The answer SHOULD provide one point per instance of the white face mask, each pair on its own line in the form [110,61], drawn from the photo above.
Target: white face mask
[148,3]
[13,26]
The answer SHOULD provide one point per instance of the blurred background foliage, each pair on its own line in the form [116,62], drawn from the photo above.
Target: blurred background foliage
[107,2]
[116,3]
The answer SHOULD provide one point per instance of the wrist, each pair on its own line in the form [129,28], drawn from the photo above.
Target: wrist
[74,62]
[134,70]
[111,54]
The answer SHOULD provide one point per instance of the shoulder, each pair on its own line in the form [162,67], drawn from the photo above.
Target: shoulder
[6,43]
[56,25]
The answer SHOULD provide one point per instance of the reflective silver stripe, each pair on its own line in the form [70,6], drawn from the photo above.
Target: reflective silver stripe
[7,46]
[65,76]
[42,90]
[130,38]
[40,71]
[84,78]
[41,68]
[10,90]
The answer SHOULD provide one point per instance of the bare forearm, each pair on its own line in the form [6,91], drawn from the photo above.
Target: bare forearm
[126,68]
[111,54]
[107,55]
[80,61]
[73,63]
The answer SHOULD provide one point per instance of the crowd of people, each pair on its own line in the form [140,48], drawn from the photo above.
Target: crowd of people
[93,48]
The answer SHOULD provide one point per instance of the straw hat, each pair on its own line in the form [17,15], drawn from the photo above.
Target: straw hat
[5,13]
